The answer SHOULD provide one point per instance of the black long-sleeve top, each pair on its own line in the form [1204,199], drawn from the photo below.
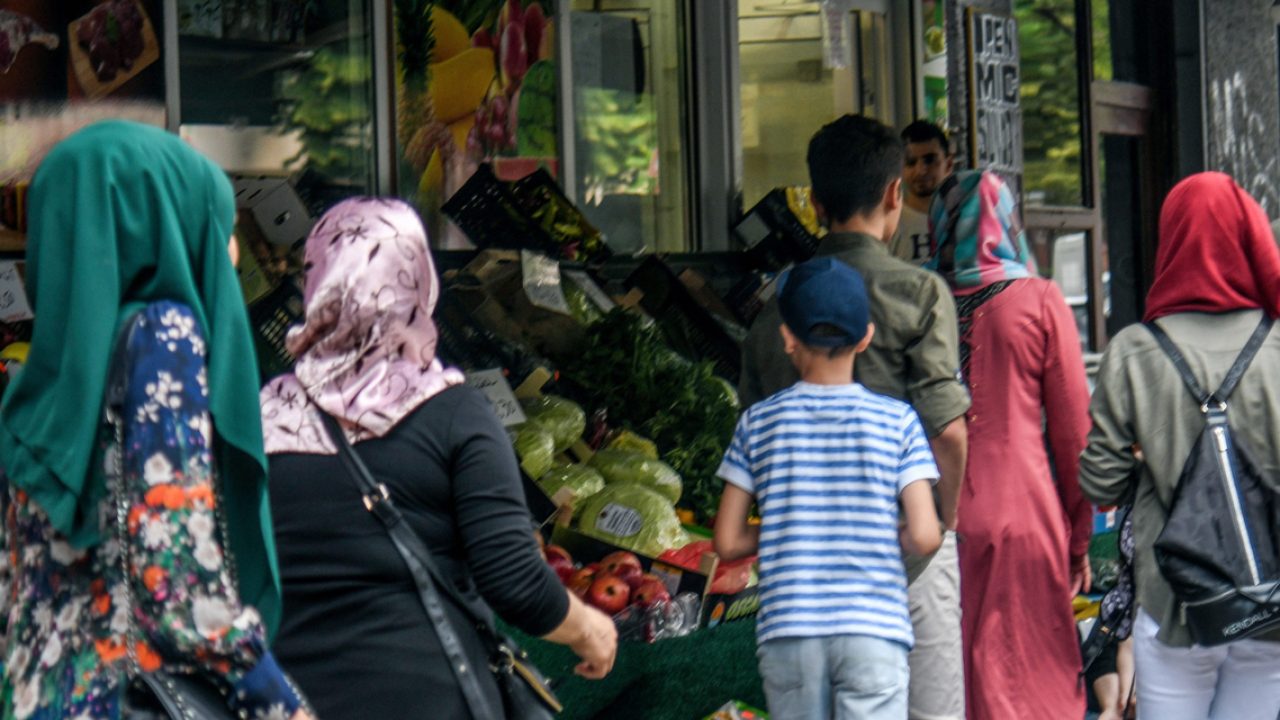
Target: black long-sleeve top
[354,634]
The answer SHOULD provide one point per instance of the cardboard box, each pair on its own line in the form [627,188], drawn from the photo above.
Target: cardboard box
[271,211]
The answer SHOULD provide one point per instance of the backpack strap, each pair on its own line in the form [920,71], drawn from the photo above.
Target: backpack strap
[1232,379]
[1246,356]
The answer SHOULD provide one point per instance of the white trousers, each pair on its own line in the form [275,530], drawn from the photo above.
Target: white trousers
[937,660]
[1236,681]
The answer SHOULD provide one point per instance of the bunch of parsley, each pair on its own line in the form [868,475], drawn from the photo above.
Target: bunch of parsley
[627,369]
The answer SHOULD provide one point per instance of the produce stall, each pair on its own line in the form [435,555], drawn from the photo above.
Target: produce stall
[615,376]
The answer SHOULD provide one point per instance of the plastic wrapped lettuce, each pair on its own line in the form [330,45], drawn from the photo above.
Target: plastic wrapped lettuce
[628,441]
[564,419]
[535,447]
[634,517]
[622,466]
[583,480]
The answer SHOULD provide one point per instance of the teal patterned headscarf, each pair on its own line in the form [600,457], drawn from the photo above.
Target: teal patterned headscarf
[978,236]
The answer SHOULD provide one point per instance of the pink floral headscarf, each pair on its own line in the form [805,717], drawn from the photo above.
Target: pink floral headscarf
[366,350]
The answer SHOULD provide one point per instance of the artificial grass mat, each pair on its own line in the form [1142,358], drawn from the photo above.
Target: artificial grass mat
[684,678]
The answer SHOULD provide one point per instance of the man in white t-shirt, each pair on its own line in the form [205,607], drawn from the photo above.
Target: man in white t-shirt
[929,161]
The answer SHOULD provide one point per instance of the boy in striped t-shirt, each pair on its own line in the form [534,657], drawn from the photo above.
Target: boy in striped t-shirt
[842,478]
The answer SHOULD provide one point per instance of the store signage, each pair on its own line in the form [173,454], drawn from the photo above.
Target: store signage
[494,385]
[995,117]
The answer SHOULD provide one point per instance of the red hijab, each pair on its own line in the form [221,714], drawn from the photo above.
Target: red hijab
[1217,252]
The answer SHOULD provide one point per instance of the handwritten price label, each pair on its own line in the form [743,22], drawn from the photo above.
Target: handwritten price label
[13,295]
[494,385]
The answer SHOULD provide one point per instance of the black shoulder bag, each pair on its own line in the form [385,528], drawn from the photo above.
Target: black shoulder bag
[1220,546]
[526,694]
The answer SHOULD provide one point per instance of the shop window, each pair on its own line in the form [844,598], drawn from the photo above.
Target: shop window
[274,87]
[1051,103]
[630,121]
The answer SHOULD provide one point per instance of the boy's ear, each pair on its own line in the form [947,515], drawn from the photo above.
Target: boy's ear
[789,341]
[892,199]
[866,339]
[819,210]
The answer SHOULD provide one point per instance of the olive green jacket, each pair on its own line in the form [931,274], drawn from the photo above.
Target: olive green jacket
[1140,401]
[914,355]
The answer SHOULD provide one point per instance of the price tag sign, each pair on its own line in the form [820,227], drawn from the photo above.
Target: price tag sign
[13,294]
[494,385]
[542,282]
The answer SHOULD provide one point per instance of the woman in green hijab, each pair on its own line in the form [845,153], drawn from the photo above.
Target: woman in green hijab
[137,519]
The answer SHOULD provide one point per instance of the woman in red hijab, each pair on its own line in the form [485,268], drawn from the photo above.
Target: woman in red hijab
[1217,277]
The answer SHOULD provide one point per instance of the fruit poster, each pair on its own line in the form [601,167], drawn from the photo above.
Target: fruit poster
[475,83]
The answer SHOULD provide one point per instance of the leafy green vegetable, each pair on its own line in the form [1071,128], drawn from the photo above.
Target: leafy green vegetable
[633,517]
[626,368]
[622,466]
[563,418]
[584,481]
[535,447]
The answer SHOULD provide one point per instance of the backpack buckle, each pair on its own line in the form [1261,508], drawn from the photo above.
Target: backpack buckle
[1213,404]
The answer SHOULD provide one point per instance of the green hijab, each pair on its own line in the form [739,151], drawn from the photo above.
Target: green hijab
[123,215]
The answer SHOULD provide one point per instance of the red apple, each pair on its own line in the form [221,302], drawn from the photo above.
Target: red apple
[609,593]
[650,592]
[580,581]
[557,551]
[613,562]
[632,575]
[563,568]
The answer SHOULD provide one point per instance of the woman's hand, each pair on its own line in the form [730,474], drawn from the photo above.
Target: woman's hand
[597,646]
[301,714]
[1081,575]
[591,635]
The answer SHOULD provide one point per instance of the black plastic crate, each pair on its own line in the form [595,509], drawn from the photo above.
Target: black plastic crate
[487,211]
[688,326]
[773,237]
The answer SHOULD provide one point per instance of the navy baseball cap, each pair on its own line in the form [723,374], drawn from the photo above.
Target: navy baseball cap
[824,291]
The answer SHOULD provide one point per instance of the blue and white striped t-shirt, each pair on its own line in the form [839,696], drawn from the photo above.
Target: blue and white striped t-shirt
[826,464]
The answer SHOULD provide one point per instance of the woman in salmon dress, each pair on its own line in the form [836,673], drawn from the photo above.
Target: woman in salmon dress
[1024,525]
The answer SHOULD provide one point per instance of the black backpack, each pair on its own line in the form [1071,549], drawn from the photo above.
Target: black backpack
[1220,547]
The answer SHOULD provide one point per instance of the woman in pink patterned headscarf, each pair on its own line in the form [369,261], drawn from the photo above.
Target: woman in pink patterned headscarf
[354,633]
[366,351]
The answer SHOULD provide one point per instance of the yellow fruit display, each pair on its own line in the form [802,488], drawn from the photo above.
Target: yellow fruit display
[451,37]
[459,84]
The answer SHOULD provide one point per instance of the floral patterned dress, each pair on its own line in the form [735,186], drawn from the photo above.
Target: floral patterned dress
[70,640]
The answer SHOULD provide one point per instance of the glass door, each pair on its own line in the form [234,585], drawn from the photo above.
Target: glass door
[787,93]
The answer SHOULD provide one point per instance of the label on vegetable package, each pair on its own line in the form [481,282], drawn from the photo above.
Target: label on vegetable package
[542,282]
[494,385]
[619,520]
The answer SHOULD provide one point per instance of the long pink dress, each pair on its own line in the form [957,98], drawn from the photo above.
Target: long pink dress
[1018,525]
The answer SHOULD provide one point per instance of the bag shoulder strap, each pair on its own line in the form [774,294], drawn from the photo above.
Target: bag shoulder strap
[1234,375]
[430,582]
